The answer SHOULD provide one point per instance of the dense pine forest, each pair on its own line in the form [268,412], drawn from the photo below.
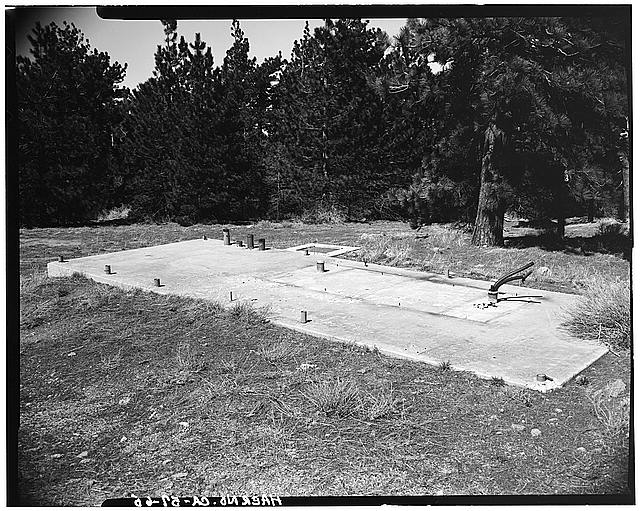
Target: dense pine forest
[455,119]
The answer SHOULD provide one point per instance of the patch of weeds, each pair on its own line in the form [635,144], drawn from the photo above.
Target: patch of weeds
[386,250]
[338,397]
[246,312]
[117,213]
[612,413]
[384,403]
[496,381]
[582,380]
[276,352]
[445,366]
[189,359]
[603,314]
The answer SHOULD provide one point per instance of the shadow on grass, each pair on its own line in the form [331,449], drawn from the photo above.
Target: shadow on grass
[615,244]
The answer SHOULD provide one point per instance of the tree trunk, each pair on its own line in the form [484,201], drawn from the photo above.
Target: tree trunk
[624,160]
[560,227]
[488,229]
[591,210]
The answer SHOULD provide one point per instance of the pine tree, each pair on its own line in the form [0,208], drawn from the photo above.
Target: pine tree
[328,121]
[524,86]
[68,111]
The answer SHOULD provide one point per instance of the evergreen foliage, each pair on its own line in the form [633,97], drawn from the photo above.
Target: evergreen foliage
[328,125]
[457,119]
[526,102]
[68,109]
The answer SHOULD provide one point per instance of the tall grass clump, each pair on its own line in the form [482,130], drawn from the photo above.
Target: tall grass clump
[386,250]
[603,314]
[338,397]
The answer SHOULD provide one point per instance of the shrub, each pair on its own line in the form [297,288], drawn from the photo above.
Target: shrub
[323,215]
[603,314]
[611,227]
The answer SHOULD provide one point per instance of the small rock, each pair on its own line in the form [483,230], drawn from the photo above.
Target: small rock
[581,450]
[184,424]
[166,461]
[56,455]
[535,432]
[615,388]
[558,410]
[179,474]
[552,419]
[123,439]
[493,418]
[85,460]
[364,370]
[72,354]
[83,454]
[517,427]
[124,401]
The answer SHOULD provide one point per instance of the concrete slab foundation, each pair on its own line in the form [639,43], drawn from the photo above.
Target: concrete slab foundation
[417,315]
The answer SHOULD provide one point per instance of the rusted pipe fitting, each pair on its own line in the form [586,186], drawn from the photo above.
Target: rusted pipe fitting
[156,282]
[107,269]
[303,316]
[231,296]
[61,259]
[306,251]
[239,243]
[261,244]
[541,377]
[204,236]
[226,237]
[493,296]
[320,266]
[249,241]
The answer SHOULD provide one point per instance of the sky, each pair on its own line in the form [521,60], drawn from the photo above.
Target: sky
[135,41]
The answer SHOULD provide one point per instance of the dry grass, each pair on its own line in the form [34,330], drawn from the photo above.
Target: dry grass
[383,249]
[244,424]
[189,358]
[117,213]
[246,312]
[613,414]
[603,313]
[381,404]
[322,215]
[340,398]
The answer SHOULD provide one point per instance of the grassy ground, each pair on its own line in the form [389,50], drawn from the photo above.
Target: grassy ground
[129,392]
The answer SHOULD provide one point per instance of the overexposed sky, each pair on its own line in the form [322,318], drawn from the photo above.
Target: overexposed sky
[135,41]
